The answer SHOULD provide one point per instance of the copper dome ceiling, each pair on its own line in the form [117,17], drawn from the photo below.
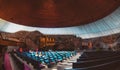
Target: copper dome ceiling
[55,13]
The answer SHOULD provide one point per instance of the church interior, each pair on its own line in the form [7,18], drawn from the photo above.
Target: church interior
[59,34]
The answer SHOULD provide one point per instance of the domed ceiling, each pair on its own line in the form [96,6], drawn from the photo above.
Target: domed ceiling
[55,13]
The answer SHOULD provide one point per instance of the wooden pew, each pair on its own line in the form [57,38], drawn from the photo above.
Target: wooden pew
[18,62]
[35,63]
[88,63]
[99,54]
[113,65]
[94,58]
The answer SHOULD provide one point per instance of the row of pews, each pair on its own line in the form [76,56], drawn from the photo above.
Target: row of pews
[98,60]
[40,58]
[19,64]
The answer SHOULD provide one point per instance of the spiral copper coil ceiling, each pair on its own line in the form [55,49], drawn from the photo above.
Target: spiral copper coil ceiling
[55,13]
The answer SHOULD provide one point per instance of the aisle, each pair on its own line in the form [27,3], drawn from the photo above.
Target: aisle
[68,63]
